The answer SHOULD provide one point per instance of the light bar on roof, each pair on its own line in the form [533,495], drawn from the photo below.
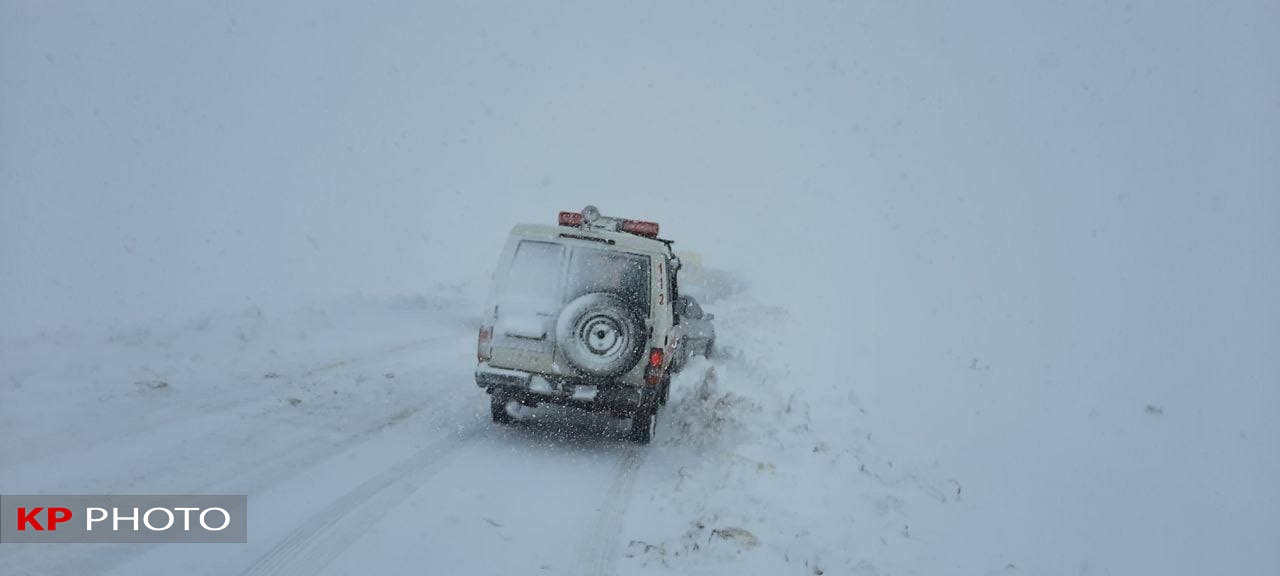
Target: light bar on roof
[591,219]
[572,219]
[640,228]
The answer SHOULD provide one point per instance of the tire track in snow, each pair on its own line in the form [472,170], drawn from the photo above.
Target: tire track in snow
[325,535]
[378,354]
[252,407]
[283,462]
[143,428]
[598,551]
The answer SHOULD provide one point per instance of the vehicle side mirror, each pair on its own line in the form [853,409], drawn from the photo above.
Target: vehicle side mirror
[681,306]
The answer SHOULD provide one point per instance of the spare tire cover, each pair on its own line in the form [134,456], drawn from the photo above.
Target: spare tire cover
[600,335]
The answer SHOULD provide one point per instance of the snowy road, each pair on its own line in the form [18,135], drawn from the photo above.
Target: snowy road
[357,432]
[383,456]
[549,494]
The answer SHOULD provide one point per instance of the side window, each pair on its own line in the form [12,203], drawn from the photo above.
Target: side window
[672,294]
[663,278]
[669,290]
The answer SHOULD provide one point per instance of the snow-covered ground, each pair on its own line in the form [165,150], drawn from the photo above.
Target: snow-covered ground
[361,441]
[994,283]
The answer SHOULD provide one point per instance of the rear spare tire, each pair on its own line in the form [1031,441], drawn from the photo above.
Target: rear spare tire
[600,334]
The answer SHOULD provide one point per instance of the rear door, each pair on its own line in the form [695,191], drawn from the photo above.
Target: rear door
[529,297]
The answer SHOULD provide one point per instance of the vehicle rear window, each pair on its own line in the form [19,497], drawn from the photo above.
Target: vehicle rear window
[620,273]
[533,279]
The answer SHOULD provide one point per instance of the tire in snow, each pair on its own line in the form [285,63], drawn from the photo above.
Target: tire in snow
[498,408]
[600,335]
[643,426]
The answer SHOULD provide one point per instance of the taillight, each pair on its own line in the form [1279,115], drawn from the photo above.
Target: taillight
[653,372]
[484,344]
[573,219]
[640,228]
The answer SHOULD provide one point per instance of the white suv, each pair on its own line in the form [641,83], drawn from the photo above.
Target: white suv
[581,314]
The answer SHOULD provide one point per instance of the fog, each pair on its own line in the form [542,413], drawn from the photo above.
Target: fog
[1072,209]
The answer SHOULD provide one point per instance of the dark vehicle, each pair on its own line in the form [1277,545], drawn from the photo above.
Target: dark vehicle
[699,333]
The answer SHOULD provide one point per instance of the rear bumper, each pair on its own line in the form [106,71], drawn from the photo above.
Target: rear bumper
[536,388]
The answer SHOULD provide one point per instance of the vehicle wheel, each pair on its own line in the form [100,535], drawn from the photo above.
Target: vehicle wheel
[682,358]
[709,350]
[666,392]
[498,408]
[600,334]
[643,425]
